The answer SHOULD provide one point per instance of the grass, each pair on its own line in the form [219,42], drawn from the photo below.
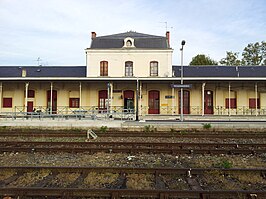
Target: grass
[103,129]
[225,164]
[149,128]
[206,126]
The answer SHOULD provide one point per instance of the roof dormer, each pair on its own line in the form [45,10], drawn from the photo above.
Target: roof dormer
[129,43]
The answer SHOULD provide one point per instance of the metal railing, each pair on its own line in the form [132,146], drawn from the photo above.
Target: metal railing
[65,112]
[119,112]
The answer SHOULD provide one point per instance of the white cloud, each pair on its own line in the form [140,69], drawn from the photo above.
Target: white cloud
[59,30]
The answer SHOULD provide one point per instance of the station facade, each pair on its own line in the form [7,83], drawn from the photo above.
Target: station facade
[132,71]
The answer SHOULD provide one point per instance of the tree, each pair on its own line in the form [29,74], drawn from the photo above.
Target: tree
[202,59]
[231,59]
[254,54]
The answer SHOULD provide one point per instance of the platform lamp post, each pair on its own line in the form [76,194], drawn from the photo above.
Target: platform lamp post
[182,74]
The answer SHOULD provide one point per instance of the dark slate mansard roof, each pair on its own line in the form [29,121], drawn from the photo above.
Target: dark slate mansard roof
[220,71]
[43,71]
[140,41]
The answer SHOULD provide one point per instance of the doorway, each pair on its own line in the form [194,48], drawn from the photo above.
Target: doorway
[208,102]
[154,102]
[128,100]
[186,102]
[29,107]
[54,101]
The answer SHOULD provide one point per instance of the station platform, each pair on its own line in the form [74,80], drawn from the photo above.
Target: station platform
[160,123]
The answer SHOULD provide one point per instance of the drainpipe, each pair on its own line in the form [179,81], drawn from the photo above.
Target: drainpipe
[137,102]
[140,100]
[111,97]
[80,94]
[108,99]
[202,97]
[51,98]
[1,95]
[256,98]
[26,96]
[229,102]
[173,99]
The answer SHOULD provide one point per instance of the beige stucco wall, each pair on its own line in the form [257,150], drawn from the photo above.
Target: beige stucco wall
[141,62]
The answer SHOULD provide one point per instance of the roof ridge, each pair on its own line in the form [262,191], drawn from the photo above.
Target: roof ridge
[129,34]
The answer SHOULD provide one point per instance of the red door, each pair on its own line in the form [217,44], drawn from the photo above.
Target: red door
[186,101]
[54,101]
[154,102]
[208,102]
[103,99]
[30,107]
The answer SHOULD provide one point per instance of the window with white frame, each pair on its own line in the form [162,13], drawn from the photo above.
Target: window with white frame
[129,69]
[153,68]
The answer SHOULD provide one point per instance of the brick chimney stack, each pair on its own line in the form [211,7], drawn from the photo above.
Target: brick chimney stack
[168,38]
[93,35]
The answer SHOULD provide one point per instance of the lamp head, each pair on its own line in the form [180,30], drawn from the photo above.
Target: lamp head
[183,42]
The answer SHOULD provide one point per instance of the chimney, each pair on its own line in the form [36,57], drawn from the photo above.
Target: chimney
[93,35]
[168,38]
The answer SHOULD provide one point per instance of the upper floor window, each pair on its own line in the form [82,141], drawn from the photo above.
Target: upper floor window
[154,68]
[103,68]
[129,69]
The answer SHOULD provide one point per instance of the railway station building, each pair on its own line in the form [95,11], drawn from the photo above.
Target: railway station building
[131,75]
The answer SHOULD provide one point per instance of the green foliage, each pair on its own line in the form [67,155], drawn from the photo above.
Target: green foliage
[225,164]
[203,60]
[231,59]
[103,129]
[254,54]
[207,126]
[149,128]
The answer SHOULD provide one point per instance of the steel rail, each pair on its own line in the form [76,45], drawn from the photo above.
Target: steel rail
[180,145]
[140,134]
[126,193]
[132,147]
[158,170]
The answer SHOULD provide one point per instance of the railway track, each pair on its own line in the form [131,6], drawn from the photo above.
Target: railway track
[181,134]
[133,147]
[115,182]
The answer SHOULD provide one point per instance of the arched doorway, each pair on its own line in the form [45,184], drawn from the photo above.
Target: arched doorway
[54,101]
[154,102]
[128,100]
[186,102]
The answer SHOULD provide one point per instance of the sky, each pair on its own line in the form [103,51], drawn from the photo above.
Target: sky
[58,31]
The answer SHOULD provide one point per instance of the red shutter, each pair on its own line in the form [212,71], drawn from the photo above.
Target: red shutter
[252,103]
[232,103]
[7,102]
